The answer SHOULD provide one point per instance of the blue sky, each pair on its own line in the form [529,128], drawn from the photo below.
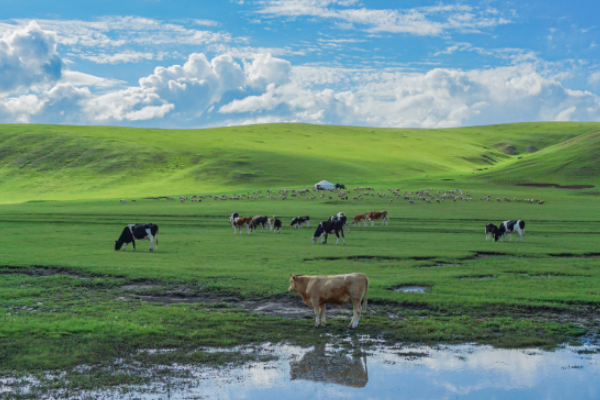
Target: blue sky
[187,64]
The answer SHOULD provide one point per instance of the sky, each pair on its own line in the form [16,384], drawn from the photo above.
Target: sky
[195,64]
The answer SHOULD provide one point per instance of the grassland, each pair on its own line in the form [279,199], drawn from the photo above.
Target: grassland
[80,162]
[67,298]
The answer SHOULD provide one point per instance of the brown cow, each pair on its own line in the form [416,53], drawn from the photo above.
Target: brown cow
[239,223]
[317,291]
[358,218]
[373,215]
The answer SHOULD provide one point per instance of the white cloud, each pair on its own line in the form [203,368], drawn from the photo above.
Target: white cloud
[28,57]
[418,21]
[438,98]
[124,57]
[75,78]
[112,39]
[266,88]
[595,77]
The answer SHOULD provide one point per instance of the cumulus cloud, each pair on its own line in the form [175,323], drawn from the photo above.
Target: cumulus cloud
[433,20]
[116,39]
[225,91]
[438,98]
[28,57]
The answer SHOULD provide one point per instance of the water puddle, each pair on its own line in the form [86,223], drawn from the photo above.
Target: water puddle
[327,372]
[411,289]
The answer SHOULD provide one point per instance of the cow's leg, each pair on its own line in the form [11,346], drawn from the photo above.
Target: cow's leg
[372,222]
[343,237]
[249,230]
[338,238]
[124,247]
[133,243]
[510,236]
[151,238]
[323,311]
[308,224]
[356,310]
[317,314]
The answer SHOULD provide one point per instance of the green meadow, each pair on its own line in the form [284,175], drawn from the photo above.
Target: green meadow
[67,298]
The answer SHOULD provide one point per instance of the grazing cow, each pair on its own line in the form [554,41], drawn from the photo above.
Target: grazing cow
[122,201]
[259,220]
[274,224]
[139,232]
[298,221]
[373,215]
[489,231]
[239,223]
[232,217]
[341,217]
[510,227]
[317,291]
[358,218]
[327,227]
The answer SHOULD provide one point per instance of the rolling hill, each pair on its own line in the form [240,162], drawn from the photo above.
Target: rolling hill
[78,162]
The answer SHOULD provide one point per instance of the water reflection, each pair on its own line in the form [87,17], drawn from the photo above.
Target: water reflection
[319,365]
[327,372]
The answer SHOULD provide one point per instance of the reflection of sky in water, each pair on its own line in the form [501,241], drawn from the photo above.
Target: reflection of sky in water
[449,372]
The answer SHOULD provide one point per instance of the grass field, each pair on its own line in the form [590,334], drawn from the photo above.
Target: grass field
[67,298]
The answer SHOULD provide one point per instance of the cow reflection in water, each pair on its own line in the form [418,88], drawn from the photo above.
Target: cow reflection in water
[340,369]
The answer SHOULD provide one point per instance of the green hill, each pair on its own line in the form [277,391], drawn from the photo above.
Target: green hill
[74,162]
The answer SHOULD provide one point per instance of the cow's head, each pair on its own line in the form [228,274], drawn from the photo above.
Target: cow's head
[293,279]
[318,233]
[118,245]
[294,222]
[497,233]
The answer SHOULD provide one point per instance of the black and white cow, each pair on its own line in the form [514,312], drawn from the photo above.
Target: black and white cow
[259,220]
[298,221]
[232,217]
[327,227]
[489,231]
[341,217]
[510,227]
[275,224]
[133,232]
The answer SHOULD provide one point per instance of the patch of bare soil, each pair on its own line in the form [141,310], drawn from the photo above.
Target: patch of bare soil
[557,186]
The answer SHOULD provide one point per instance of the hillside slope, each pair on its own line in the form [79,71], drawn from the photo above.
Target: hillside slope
[72,162]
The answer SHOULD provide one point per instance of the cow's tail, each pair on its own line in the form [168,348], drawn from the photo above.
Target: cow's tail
[364,303]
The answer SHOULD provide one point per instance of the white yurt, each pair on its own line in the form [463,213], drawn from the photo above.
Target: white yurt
[326,185]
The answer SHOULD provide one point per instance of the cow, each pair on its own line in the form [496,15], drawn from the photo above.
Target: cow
[327,227]
[259,220]
[239,223]
[489,231]
[232,217]
[139,232]
[358,218]
[317,291]
[274,224]
[373,215]
[341,217]
[298,221]
[510,227]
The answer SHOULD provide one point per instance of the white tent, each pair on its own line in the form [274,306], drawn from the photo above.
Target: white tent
[325,185]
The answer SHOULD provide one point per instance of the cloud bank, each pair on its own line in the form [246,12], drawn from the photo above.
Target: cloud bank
[36,86]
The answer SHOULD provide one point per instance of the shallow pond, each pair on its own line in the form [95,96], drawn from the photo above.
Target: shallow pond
[443,372]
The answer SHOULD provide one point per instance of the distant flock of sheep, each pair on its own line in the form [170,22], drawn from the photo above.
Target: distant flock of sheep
[425,195]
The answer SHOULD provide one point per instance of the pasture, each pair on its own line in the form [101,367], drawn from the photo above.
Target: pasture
[67,298]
